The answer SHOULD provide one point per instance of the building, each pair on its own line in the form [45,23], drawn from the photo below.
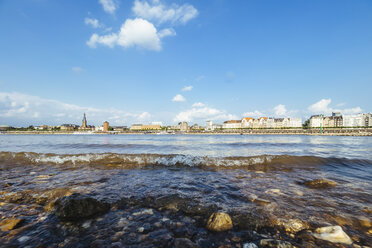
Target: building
[184,126]
[317,121]
[209,126]
[106,126]
[336,120]
[140,127]
[84,124]
[358,120]
[247,122]
[4,127]
[232,124]
[68,127]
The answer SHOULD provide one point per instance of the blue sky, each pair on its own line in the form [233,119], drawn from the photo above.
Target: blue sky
[157,60]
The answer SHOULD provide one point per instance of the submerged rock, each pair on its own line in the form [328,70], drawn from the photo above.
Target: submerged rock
[219,222]
[78,206]
[320,183]
[334,234]
[10,224]
[184,243]
[272,243]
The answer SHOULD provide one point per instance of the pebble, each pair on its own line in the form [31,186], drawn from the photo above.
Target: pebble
[219,222]
[184,243]
[86,224]
[333,234]
[9,224]
[141,229]
[147,211]
[23,239]
[272,243]
[250,245]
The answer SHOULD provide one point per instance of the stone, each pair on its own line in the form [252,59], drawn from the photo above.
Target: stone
[250,245]
[320,183]
[77,206]
[333,234]
[183,243]
[219,222]
[10,224]
[273,243]
[292,225]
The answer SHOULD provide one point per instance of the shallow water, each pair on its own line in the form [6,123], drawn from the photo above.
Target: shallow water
[257,176]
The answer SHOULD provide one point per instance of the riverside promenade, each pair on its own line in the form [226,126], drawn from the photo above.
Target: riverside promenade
[292,131]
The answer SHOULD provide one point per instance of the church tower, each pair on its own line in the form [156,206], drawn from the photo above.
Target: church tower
[84,124]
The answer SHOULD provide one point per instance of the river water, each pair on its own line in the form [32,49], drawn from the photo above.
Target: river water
[261,181]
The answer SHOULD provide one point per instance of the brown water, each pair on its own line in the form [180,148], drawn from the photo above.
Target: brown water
[261,181]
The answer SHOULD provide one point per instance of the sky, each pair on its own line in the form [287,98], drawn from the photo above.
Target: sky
[141,61]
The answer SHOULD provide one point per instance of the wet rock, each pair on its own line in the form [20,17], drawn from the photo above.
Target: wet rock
[272,243]
[116,245]
[10,224]
[219,222]
[97,243]
[184,243]
[334,234]
[78,206]
[320,183]
[250,245]
[292,225]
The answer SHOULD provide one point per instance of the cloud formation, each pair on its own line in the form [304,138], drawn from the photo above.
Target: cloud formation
[92,22]
[109,6]
[322,107]
[160,13]
[178,98]
[203,113]
[187,88]
[133,33]
[140,31]
[198,105]
[22,109]
[255,113]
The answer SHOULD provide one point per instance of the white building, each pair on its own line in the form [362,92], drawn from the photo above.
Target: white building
[358,120]
[209,126]
[295,122]
[232,124]
[247,122]
[317,121]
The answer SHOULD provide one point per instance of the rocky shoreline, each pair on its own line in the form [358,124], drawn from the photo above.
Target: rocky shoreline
[73,213]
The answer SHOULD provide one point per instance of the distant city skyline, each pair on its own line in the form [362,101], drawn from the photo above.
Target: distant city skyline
[137,61]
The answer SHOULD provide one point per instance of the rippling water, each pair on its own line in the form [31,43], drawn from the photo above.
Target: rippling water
[229,171]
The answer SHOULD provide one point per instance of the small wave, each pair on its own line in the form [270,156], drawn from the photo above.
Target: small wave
[171,160]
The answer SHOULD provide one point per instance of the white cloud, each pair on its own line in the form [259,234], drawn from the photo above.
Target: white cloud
[255,113]
[280,110]
[160,13]
[22,109]
[187,88]
[107,40]
[93,22]
[322,107]
[201,114]
[77,69]
[178,98]
[198,105]
[109,6]
[166,32]
[133,33]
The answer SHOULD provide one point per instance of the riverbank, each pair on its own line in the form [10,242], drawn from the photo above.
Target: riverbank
[323,132]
